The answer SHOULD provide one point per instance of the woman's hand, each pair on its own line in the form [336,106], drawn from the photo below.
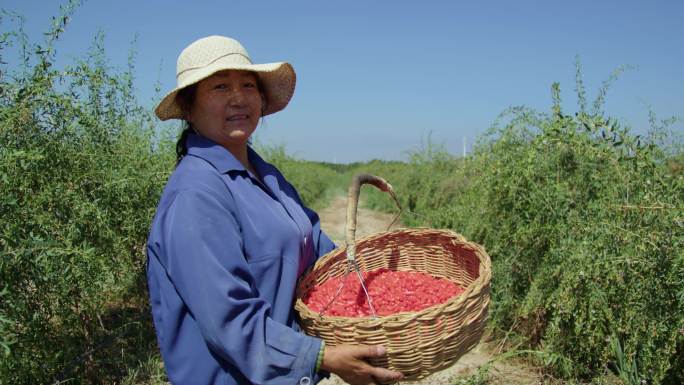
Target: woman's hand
[349,362]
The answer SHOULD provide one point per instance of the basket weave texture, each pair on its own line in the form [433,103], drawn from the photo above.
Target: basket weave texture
[417,343]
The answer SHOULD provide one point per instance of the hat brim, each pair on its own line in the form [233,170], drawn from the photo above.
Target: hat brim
[276,79]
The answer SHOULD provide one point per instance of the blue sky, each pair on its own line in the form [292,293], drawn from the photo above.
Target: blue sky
[376,77]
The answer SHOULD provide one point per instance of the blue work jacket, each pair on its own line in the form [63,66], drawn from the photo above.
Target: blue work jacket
[223,257]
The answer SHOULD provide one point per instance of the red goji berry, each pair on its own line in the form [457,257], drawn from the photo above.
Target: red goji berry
[391,292]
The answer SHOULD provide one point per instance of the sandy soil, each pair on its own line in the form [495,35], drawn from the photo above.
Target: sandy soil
[369,222]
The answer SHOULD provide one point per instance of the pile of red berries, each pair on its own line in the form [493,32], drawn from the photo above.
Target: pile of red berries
[391,292]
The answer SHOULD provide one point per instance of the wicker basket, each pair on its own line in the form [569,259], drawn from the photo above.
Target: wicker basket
[418,343]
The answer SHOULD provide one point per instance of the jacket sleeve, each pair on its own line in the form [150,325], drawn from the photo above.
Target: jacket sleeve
[207,266]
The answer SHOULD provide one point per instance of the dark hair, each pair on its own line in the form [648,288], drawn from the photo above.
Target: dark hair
[185,99]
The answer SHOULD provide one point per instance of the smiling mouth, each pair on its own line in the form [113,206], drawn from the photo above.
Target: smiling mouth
[237,117]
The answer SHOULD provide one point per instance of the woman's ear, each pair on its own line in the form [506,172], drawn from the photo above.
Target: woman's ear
[187,112]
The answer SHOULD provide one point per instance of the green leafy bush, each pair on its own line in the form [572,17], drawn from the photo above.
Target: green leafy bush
[81,174]
[584,223]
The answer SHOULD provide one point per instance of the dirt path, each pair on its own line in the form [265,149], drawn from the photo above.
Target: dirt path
[369,222]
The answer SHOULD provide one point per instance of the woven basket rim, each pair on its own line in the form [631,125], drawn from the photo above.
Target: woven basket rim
[484,277]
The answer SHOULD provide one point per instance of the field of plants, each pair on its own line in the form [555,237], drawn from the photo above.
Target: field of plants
[584,222]
[585,226]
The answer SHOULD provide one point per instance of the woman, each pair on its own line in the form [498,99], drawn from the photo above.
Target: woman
[231,236]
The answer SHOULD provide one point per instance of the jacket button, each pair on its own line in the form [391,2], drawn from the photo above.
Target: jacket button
[305,381]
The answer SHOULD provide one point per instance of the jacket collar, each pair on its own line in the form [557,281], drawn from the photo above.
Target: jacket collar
[219,157]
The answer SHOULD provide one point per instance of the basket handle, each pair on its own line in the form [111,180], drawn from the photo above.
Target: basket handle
[352,204]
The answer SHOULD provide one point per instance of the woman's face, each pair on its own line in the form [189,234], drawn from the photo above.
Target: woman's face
[227,107]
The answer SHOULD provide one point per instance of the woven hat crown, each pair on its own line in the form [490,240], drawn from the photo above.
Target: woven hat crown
[208,50]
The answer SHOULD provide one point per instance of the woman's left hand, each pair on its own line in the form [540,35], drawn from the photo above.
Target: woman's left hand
[349,362]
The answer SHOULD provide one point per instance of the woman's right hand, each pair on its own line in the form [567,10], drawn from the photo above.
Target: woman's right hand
[350,363]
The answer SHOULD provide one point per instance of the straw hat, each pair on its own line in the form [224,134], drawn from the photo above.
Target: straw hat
[211,54]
